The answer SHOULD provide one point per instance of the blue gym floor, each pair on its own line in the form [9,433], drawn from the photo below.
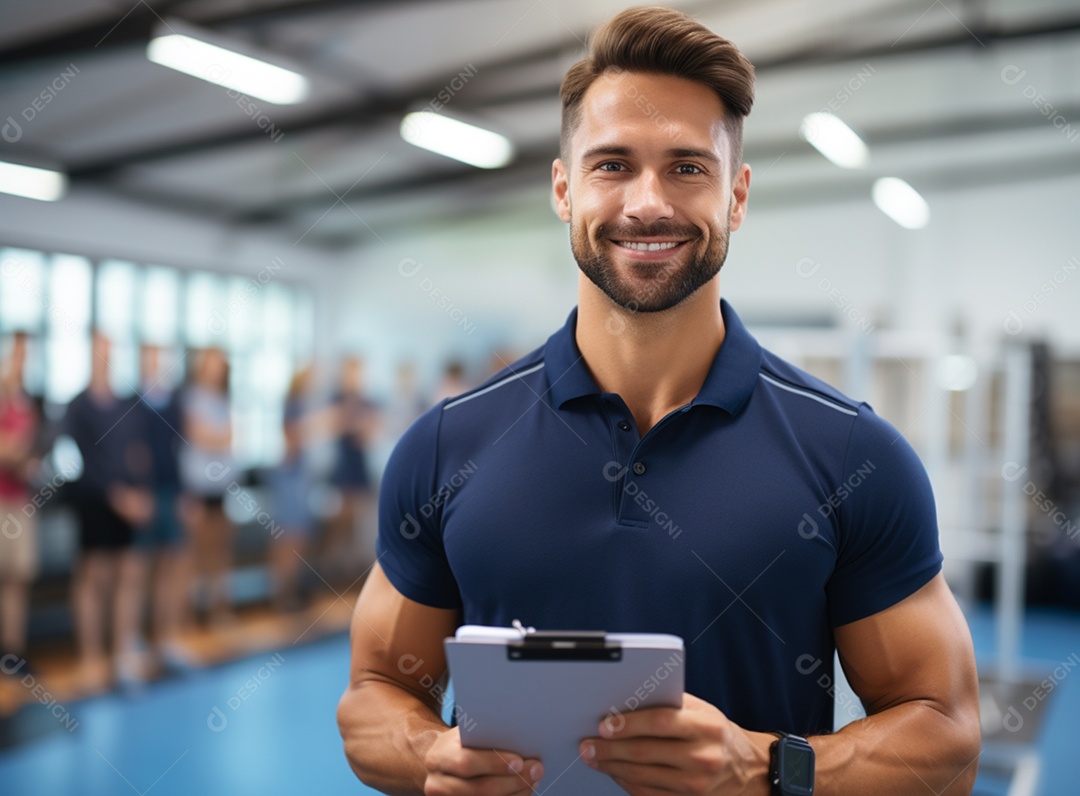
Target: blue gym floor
[266,725]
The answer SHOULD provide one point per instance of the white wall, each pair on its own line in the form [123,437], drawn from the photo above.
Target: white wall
[988,251]
[499,283]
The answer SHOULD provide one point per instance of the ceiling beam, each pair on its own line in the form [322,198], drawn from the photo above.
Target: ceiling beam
[69,42]
[134,23]
[374,109]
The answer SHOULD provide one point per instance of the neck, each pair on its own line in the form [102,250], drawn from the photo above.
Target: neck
[656,361]
[99,386]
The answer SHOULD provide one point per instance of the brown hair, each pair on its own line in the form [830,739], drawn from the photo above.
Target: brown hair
[668,42]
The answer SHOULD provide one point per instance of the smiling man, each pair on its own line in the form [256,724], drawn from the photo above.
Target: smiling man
[652,469]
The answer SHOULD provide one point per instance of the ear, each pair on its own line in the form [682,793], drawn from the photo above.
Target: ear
[560,189]
[740,196]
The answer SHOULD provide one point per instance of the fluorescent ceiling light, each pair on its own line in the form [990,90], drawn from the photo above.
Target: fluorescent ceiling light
[31,182]
[227,68]
[835,140]
[458,140]
[902,203]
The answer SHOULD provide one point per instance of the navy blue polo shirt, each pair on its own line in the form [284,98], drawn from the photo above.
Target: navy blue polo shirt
[750,522]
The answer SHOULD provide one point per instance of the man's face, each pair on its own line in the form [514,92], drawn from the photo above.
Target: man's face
[647,190]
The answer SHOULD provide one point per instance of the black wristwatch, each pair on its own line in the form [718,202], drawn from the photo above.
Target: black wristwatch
[791,766]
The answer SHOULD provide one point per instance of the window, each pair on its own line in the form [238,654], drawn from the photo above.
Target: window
[67,328]
[265,326]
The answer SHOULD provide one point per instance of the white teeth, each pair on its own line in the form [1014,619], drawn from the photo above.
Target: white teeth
[648,247]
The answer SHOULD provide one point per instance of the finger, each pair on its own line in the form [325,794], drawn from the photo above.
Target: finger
[640,779]
[653,751]
[505,783]
[651,722]
[465,763]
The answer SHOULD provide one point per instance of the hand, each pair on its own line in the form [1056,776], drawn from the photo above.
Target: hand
[694,749]
[453,770]
[134,505]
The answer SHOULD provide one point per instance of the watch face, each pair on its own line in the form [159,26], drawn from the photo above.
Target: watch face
[796,769]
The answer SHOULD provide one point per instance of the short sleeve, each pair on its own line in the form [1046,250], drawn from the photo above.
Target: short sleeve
[888,546]
[410,543]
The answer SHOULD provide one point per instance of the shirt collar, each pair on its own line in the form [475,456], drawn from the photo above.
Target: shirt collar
[728,385]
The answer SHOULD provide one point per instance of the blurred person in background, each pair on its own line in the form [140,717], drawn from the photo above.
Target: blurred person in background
[18,528]
[453,381]
[356,423]
[407,403]
[111,501]
[290,484]
[206,470]
[161,545]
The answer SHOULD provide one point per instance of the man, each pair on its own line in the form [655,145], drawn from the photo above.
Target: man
[111,503]
[161,547]
[651,468]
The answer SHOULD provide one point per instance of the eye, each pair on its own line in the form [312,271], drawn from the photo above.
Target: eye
[688,168]
[611,166]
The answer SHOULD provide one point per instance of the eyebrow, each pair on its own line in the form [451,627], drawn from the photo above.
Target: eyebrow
[625,151]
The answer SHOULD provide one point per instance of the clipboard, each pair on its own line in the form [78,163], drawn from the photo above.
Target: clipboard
[538,693]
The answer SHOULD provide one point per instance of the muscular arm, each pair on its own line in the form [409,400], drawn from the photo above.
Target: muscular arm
[387,717]
[914,669]
[911,664]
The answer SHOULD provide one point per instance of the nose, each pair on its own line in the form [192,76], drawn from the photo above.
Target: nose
[646,200]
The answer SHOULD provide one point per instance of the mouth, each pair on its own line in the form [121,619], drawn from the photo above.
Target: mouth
[649,249]
[648,246]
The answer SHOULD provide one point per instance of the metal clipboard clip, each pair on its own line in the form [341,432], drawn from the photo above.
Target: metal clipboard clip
[562,645]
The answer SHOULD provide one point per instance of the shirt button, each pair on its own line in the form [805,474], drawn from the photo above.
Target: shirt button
[624,426]
[639,468]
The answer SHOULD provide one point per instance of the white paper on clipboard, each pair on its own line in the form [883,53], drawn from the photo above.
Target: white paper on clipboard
[541,703]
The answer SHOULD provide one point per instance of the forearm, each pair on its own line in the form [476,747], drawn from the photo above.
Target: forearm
[387,732]
[900,750]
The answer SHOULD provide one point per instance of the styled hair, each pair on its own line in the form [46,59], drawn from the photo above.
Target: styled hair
[662,41]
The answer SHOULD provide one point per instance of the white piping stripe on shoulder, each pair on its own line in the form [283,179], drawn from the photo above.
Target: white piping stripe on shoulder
[494,386]
[810,395]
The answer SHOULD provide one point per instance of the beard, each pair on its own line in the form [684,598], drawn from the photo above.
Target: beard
[666,284]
